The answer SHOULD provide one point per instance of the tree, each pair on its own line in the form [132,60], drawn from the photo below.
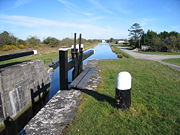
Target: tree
[67,42]
[21,42]
[164,35]
[111,40]
[33,41]
[135,32]
[150,36]
[7,38]
[51,41]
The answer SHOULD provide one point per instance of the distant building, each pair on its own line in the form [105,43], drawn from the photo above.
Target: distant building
[145,47]
[103,41]
[123,42]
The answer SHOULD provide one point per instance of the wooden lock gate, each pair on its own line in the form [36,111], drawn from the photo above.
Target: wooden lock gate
[76,62]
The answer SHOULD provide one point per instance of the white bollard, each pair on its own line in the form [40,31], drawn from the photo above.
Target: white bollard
[123,90]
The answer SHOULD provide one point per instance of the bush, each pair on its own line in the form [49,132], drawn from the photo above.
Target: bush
[22,46]
[35,47]
[33,41]
[8,47]
[51,41]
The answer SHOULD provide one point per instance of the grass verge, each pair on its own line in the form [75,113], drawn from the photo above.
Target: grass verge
[161,53]
[155,102]
[175,61]
[119,52]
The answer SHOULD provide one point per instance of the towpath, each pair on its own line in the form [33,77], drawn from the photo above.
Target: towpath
[154,57]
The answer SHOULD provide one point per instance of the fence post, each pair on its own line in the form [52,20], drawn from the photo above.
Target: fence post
[63,68]
[80,62]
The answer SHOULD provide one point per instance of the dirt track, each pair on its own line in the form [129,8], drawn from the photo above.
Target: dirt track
[154,57]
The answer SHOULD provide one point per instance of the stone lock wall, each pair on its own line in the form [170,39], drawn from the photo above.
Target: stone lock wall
[15,84]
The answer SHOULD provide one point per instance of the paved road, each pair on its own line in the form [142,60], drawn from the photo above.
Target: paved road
[154,57]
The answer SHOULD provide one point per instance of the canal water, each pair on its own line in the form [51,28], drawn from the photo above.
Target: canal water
[102,51]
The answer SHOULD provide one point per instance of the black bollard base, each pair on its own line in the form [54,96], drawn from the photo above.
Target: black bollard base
[123,99]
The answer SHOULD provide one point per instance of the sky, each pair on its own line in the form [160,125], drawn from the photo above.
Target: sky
[95,19]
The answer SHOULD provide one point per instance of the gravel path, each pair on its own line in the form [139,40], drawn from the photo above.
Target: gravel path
[154,57]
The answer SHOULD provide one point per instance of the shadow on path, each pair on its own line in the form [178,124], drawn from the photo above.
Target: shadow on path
[100,97]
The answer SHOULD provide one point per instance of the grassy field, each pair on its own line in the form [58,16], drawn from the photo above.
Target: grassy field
[173,61]
[47,54]
[161,53]
[155,106]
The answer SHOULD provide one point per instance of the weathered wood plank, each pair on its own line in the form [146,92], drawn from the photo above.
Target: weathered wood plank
[85,79]
[76,81]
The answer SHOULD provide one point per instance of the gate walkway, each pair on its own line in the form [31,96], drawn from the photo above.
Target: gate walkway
[60,111]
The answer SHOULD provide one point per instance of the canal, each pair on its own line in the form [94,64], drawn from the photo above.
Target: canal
[102,51]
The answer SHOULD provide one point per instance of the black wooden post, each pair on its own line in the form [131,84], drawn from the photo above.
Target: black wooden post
[63,69]
[80,62]
[74,53]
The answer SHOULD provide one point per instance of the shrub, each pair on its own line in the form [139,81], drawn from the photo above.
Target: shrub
[51,41]
[33,41]
[35,47]
[22,46]
[8,47]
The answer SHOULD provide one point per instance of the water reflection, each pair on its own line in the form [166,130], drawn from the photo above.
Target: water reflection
[102,51]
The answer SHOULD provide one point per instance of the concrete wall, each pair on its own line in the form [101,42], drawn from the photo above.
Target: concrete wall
[15,84]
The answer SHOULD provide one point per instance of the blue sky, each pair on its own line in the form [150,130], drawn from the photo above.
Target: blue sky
[95,19]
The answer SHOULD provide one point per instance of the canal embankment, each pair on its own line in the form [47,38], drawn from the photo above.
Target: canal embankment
[61,110]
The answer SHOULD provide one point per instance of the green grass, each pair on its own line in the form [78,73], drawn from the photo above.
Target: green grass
[175,61]
[161,53]
[119,52]
[155,108]
[43,54]
[47,58]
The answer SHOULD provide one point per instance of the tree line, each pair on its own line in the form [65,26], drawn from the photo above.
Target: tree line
[163,41]
[8,41]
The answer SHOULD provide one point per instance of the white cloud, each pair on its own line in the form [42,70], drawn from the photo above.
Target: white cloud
[99,6]
[67,4]
[74,9]
[37,22]
[44,27]
[19,3]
